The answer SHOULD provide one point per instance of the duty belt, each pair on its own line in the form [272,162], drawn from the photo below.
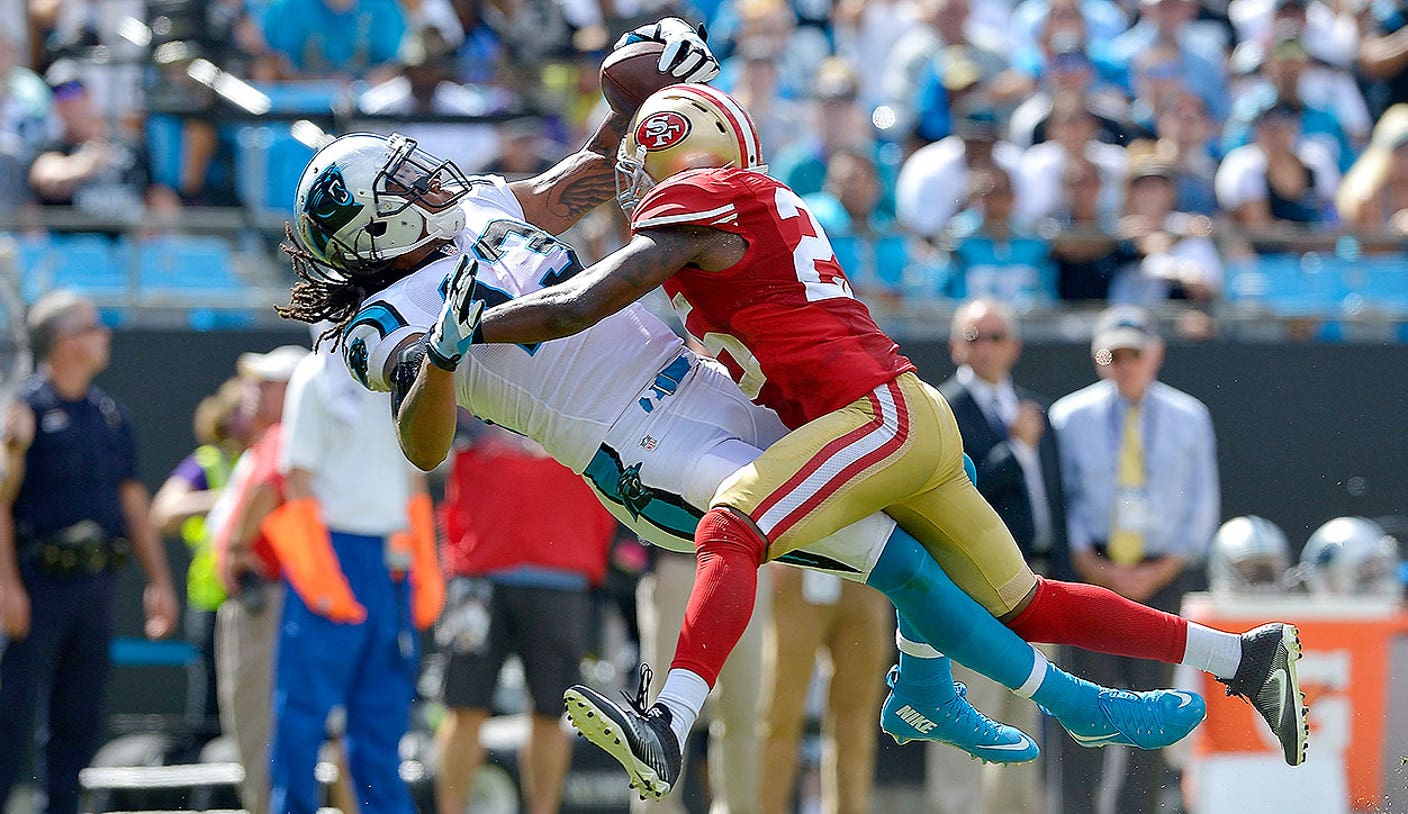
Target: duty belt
[83,548]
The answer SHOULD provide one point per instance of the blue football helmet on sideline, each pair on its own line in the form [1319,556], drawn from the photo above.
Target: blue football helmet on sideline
[366,199]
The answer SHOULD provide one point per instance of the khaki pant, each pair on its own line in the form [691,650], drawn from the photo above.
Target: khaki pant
[955,784]
[244,672]
[897,449]
[855,624]
[734,765]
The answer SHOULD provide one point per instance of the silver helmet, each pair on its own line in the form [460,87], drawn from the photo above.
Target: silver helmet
[1248,554]
[365,199]
[1351,556]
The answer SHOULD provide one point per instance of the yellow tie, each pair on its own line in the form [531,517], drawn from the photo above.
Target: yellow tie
[1126,545]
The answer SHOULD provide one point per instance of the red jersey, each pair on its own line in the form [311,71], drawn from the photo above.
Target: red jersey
[506,507]
[783,320]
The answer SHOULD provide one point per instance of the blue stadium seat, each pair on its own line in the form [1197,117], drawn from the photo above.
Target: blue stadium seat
[1377,283]
[268,161]
[186,263]
[1287,284]
[92,264]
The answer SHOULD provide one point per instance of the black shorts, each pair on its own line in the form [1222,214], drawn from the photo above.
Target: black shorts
[484,622]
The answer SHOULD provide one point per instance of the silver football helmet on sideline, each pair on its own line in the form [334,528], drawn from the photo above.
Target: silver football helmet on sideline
[366,199]
[1248,554]
[1351,556]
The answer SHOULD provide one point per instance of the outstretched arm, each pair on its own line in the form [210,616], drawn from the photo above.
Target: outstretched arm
[618,280]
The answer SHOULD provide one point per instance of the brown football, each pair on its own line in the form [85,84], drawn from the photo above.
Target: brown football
[629,74]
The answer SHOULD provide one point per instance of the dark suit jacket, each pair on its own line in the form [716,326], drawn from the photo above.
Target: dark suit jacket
[1000,477]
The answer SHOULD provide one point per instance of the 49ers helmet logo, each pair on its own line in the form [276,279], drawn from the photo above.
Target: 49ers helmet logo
[662,130]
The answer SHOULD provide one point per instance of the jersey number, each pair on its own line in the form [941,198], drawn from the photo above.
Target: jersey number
[813,258]
[742,365]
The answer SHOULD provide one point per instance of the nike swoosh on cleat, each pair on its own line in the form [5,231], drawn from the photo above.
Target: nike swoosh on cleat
[1024,743]
[1279,676]
[1095,740]
[1186,698]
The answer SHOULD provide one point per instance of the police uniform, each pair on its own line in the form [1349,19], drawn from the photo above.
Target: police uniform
[69,536]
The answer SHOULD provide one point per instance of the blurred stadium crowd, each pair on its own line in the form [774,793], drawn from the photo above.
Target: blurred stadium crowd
[1042,151]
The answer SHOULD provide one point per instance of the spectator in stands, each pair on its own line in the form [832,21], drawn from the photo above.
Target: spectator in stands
[1374,194]
[74,510]
[864,33]
[1067,69]
[179,509]
[1185,133]
[1139,466]
[933,182]
[1006,433]
[839,122]
[90,168]
[1083,244]
[27,121]
[928,59]
[480,59]
[1282,70]
[1383,54]
[1330,29]
[522,151]
[521,582]
[334,39]
[1172,253]
[763,76]
[1278,178]
[855,625]
[991,254]
[247,625]
[1186,49]
[1073,129]
[864,237]
[425,86]
[1100,22]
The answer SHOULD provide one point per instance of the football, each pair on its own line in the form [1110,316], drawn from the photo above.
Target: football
[630,73]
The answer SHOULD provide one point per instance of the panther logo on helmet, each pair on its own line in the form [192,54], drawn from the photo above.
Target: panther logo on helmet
[330,206]
[663,130]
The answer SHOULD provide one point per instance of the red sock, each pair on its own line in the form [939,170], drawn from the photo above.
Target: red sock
[730,551]
[1098,619]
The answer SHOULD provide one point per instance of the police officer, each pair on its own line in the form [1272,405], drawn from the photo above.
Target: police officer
[71,510]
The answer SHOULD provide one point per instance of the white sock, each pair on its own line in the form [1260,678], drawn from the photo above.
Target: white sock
[683,695]
[1213,651]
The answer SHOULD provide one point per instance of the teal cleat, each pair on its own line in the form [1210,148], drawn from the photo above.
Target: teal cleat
[954,722]
[1147,720]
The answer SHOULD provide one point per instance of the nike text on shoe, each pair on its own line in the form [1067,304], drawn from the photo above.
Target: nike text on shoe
[954,722]
[1267,678]
[1147,720]
[638,737]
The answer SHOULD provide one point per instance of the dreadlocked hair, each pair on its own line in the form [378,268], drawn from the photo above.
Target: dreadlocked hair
[322,293]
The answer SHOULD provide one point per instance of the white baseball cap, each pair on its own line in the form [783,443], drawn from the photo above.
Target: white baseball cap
[275,366]
[1123,326]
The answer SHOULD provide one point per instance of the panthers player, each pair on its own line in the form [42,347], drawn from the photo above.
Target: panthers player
[653,428]
[755,279]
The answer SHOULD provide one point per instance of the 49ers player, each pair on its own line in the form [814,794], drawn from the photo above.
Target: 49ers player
[755,280]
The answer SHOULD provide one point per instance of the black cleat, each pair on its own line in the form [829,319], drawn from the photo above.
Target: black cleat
[1267,678]
[640,738]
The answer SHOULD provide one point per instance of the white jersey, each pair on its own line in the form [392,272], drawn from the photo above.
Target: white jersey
[565,393]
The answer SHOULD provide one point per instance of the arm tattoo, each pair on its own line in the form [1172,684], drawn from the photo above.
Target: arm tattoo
[578,185]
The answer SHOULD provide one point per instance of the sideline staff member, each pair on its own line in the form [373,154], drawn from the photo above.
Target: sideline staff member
[71,509]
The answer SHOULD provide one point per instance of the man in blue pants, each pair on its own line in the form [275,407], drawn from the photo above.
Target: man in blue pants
[360,584]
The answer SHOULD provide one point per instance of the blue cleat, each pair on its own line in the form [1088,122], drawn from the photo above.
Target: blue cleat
[1148,720]
[954,722]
